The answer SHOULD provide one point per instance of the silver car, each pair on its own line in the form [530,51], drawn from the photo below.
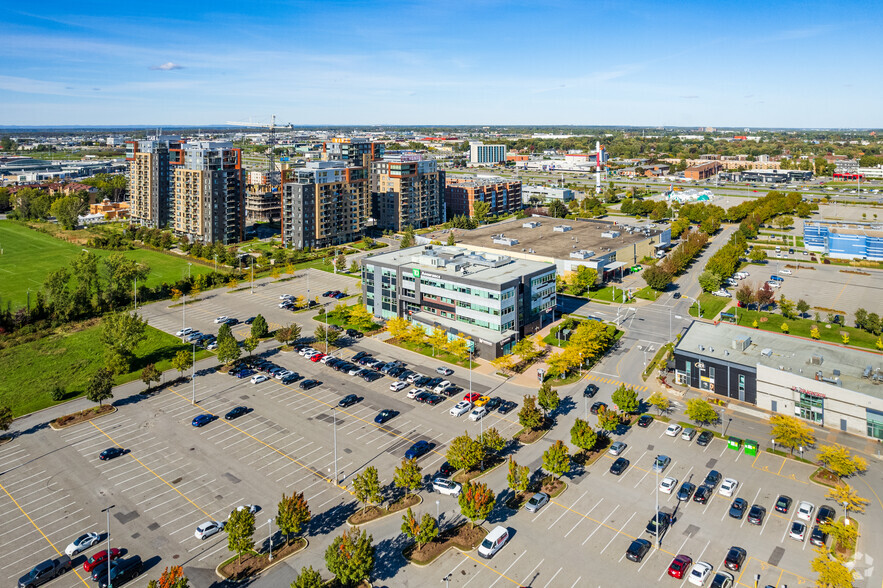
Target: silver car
[537,501]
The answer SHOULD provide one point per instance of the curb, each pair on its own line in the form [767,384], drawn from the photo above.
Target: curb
[55,427]
[380,518]
[436,558]
[278,560]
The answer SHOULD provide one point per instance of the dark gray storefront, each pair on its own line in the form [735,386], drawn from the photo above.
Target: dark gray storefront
[732,380]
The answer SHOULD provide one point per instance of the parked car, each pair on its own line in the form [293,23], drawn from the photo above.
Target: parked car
[617,447]
[673,429]
[688,433]
[208,528]
[756,514]
[202,419]
[445,470]
[805,510]
[668,484]
[481,400]
[45,571]
[444,371]
[494,403]
[397,386]
[818,537]
[477,413]
[290,378]
[307,384]
[121,572]
[506,407]
[536,502]
[259,378]
[99,558]
[235,413]
[385,415]
[712,479]
[659,524]
[660,463]
[111,453]
[446,487]
[728,487]
[618,466]
[348,400]
[679,566]
[493,542]
[699,573]
[221,319]
[722,580]
[472,397]
[826,514]
[418,449]
[685,492]
[735,558]
[637,550]
[81,543]
[183,332]
[737,509]
[645,420]
[704,438]
[702,494]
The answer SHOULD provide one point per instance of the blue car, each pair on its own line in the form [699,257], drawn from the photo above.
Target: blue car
[385,415]
[244,373]
[202,419]
[418,449]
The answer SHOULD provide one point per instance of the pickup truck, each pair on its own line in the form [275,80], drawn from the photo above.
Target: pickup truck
[44,572]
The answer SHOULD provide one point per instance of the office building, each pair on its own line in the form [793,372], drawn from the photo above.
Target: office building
[844,239]
[481,154]
[324,203]
[407,190]
[461,193]
[703,171]
[492,300]
[546,194]
[828,385]
[149,181]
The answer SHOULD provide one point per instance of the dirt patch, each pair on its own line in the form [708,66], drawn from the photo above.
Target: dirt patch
[553,487]
[372,513]
[517,501]
[825,477]
[464,537]
[253,563]
[69,420]
[528,436]
[490,463]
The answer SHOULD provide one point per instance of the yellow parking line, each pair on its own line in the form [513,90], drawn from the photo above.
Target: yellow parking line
[501,574]
[141,463]
[603,524]
[51,544]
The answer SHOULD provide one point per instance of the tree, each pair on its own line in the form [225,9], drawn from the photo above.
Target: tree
[438,339]
[150,374]
[350,557]
[283,335]
[802,307]
[480,210]
[224,332]
[67,211]
[366,487]
[786,306]
[491,440]
[609,420]
[301,301]
[360,317]
[476,501]
[700,411]
[308,578]
[791,432]
[409,476]
[121,333]
[839,460]
[581,280]
[744,295]
[240,531]
[504,362]
[464,452]
[660,402]
[562,362]
[783,222]
[526,349]
[784,327]
[626,399]
[709,281]
[6,418]
[814,332]
[228,350]
[172,577]
[100,386]
[340,263]
[556,459]
[451,239]
[844,534]
[293,514]
[458,347]
[656,277]
[845,494]
[398,327]
[407,239]
[764,296]
[757,255]
[518,477]
[423,531]
[547,397]
[557,209]
[182,361]
[583,436]
[250,344]
[529,416]
[259,327]
[832,573]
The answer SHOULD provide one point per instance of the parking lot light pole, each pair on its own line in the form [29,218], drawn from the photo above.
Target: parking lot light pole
[270,538]
[447,580]
[334,412]
[193,375]
[437,503]
[107,512]
[657,505]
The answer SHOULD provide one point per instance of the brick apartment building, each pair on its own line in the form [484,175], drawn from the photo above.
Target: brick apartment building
[703,171]
[461,192]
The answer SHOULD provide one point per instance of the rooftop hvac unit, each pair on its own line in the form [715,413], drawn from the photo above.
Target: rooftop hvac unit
[610,234]
[867,372]
[741,343]
[766,352]
[816,360]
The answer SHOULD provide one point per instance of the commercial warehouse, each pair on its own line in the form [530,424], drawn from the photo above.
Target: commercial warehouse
[844,240]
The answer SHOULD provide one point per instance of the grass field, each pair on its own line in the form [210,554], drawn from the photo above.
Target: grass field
[711,305]
[31,370]
[29,256]
[801,327]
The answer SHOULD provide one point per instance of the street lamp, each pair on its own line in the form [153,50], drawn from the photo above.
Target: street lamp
[270,538]
[437,516]
[657,503]
[334,413]
[447,580]
[193,375]
[107,512]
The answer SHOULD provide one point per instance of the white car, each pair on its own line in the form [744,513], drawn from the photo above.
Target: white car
[326,359]
[478,413]
[81,543]
[700,572]
[249,507]
[414,377]
[797,531]
[305,350]
[182,332]
[673,430]
[805,510]
[773,285]
[446,487]
[444,371]
[442,386]
[728,487]
[285,297]
[396,386]
[461,408]
[786,272]
[207,529]
[723,294]
[668,484]
[257,379]
[221,319]
[282,374]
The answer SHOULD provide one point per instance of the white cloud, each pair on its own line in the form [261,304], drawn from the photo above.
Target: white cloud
[167,66]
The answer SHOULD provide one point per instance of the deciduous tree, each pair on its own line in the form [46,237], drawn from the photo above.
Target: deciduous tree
[547,397]
[250,344]
[609,420]
[660,402]
[259,328]
[150,374]
[491,440]
[366,487]
[100,386]
[476,501]
[710,281]
[293,514]
[423,531]
[172,577]
[121,333]
[839,460]
[308,578]
[407,239]
[228,350]
[556,459]
[182,361]
[6,418]
[360,317]
[846,494]
[626,399]
[583,436]
[438,339]
[67,211]
[791,432]
[408,476]
[518,477]
[656,277]
[240,531]
[350,557]
[530,416]
[398,327]
[700,411]
[464,452]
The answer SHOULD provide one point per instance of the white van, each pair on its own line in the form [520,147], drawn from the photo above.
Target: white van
[493,542]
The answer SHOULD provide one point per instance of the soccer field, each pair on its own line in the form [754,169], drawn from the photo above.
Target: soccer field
[29,256]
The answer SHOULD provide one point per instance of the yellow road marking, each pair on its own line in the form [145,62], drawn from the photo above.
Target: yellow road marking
[501,574]
[51,544]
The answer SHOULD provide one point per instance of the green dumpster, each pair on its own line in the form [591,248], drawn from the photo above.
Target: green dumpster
[750,447]
[734,443]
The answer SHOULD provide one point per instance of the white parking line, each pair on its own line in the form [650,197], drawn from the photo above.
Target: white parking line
[601,524]
[530,573]
[565,511]
[500,577]
[553,578]
[618,533]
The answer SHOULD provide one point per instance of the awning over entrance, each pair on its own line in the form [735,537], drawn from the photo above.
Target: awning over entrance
[612,267]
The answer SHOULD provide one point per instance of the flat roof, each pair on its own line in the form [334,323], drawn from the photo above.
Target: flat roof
[546,242]
[784,352]
[512,269]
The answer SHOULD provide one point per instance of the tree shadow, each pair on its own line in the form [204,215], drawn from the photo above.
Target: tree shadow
[388,558]
[331,519]
[566,406]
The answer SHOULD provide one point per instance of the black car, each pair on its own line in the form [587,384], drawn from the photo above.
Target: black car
[598,406]
[236,412]
[423,397]
[348,400]
[735,558]
[334,361]
[249,320]
[619,466]
[638,549]
[704,438]
[783,504]
[645,420]
[403,377]
[702,494]
[590,390]
[662,520]
[434,399]
[371,376]
[756,514]
[100,571]
[818,537]
[385,415]
[354,333]
[825,514]
[432,383]
[111,453]
[454,390]
[737,509]
[327,293]
[506,406]
[686,491]
[365,360]
[494,403]
[360,355]
[422,381]
[396,372]
[307,384]
[122,571]
[232,321]
[712,479]
[676,295]
[291,378]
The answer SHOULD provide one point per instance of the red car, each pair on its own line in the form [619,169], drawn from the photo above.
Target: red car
[100,558]
[472,397]
[679,566]
[317,357]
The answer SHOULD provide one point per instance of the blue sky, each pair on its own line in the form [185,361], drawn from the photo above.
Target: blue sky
[680,63]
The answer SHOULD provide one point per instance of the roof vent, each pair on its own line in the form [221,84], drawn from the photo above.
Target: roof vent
[702,348]
[816,360]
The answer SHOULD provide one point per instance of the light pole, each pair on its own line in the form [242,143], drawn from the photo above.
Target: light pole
[107,512]
[134,293]
[756,580]
[252,275]
[270,538]
[183,313]
[657,502]
[698,305]
[193,375]
[437,517]
[447,580]
[845,512]
[334,412]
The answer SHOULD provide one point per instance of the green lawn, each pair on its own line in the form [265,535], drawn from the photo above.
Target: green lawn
[427,350]
[711,305]
[31,370]
[607,293]
[29,256]
[647,293]
[801,328]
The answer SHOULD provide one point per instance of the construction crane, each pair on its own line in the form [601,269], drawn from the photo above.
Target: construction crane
[271,141]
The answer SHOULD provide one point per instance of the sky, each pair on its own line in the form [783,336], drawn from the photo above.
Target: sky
[716,63]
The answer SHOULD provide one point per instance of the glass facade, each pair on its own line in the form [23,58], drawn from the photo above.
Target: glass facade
[875,424]
[811,408]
